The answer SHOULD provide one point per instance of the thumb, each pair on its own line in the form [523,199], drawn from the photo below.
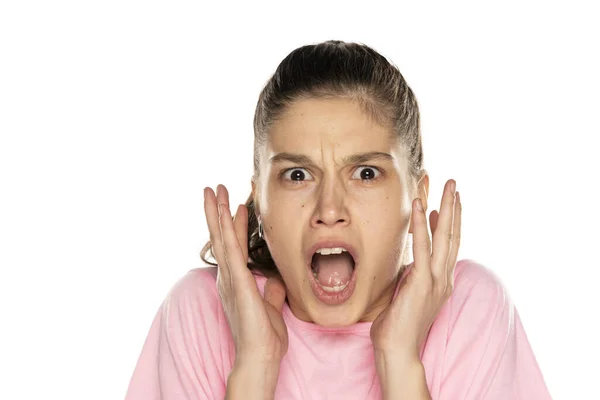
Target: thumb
[275,293]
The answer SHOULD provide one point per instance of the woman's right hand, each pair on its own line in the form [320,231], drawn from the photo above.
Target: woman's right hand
[256,324]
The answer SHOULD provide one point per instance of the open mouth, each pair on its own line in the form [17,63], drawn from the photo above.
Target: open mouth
[333,268]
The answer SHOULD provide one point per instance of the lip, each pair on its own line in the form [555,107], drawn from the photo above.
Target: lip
[328,244]
[331,298]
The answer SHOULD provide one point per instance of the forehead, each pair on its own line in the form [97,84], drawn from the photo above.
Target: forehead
[315,123]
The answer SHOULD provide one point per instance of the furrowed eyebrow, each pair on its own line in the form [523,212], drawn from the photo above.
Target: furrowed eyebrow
[360,158]
[363,158]
[294,158]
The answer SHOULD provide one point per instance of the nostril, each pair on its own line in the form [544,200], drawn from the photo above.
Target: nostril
[320,221]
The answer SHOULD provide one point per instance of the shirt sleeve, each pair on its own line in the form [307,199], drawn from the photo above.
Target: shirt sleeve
[180,359]
[488,355]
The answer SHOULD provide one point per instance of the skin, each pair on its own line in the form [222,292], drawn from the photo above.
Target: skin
[334,203]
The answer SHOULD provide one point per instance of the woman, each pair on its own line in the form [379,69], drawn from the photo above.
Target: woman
[311,296]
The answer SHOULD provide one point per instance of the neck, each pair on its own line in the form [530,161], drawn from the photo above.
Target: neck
[385,298]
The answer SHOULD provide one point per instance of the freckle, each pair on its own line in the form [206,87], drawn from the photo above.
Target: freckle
[270,227]
[302,205]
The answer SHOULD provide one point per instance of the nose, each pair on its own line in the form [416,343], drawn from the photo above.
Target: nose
[330,207]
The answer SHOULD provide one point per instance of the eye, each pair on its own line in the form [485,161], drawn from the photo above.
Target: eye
[366,173]
[296,175]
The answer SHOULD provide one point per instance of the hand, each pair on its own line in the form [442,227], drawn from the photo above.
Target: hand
[399,332]
[256,324]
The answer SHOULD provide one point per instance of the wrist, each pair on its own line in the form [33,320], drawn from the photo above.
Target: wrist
[252,381]
[401,377]
[397,360]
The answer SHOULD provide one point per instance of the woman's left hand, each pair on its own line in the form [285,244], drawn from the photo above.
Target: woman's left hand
[399,332]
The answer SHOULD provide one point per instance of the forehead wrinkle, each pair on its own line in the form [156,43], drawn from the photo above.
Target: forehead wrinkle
[357,158]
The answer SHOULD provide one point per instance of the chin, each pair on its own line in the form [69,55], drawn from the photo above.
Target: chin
[335,316]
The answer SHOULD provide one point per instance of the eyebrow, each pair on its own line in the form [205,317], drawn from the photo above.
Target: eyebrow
[359,158]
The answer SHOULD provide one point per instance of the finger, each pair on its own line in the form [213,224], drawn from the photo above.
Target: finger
[240,223]
[222,195]
[212,221]
[453,257]
[241,278]
[421,242]
[241,227]
[275,293]
[442,238]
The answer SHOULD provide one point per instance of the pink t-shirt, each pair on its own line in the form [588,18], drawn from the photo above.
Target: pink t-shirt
[476,349]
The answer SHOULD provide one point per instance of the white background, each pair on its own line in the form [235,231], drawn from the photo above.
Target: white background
[114,116]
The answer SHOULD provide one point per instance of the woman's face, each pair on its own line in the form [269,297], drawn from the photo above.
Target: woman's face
[331,179]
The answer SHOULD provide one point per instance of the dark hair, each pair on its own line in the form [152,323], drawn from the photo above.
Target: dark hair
[332,69]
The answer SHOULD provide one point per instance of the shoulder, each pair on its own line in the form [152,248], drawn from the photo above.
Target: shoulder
[196,283]
[200,284]
[472,278]
[469,273]
[478,293]
[193,297]
[482,350]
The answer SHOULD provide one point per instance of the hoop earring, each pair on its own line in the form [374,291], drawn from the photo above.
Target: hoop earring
[260,229]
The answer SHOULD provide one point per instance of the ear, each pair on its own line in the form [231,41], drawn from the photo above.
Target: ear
[422,193]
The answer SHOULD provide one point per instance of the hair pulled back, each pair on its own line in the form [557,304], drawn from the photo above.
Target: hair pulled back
[332,69]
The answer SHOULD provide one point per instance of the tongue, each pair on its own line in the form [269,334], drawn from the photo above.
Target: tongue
[334,269]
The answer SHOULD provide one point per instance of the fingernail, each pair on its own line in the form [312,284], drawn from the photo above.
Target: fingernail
[453,186]
[220,209]
[419,205]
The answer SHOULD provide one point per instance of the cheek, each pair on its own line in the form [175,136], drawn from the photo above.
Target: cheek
[285,219]
[289,207]
[385,222]
[380,207]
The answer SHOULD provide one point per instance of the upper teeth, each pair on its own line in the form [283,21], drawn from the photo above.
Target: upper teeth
[331,250]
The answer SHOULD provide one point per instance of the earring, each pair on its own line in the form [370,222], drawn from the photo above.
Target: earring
[260,229]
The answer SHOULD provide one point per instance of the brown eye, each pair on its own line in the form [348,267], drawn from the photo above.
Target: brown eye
[366,173]
[297,175]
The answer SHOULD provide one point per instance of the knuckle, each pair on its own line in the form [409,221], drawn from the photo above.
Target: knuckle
[421,244]
[427,287]
[448,295]
[448,289]
[439,289]
[456,239]
[225,254]
[442,289]
[425,291]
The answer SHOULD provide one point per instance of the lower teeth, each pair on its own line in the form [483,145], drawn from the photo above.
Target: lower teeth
[329,288]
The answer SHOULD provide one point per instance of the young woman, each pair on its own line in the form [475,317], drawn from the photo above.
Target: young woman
[311,296]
